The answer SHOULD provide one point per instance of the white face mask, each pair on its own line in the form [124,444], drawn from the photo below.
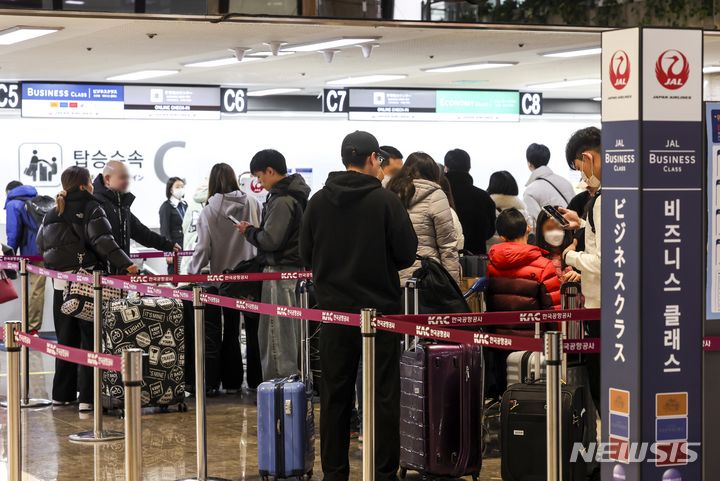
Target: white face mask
[592,181]
[554,237]
[178,193]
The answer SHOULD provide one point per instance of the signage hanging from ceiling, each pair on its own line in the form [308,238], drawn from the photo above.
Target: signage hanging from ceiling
[427,104]
[172,102]
[72,101]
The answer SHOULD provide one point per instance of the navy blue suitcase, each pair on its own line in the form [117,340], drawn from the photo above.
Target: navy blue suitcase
[286,429]
[286,419]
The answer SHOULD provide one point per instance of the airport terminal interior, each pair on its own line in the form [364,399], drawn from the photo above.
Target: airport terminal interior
[162,92]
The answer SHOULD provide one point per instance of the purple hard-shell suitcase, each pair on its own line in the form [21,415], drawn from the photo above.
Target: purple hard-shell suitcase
[441,403]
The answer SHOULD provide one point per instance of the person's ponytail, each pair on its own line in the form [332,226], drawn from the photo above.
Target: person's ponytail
[60,201]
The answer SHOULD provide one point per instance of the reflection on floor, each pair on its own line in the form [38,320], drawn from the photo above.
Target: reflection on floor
[168,441]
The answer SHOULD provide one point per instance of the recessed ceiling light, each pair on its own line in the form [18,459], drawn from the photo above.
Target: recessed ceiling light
[578,52]
[711,69]
[366,79]
[266,92]
[567,83]
[20,34]
[329,44]
[143,74]
[465,67]
[220,62]
[74,2]
[597,99]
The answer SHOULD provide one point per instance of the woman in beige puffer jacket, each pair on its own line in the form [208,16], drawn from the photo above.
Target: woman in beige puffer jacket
[429,210]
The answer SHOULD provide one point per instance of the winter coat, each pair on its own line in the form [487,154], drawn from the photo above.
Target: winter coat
[458,230]
[475,209]
[432,220]
[125,226]
[277,237]
[546,188]
[355,237]
[20,226]
[171,220]
[192,214]
[80,238]
[588,261]
[219,243]
[521,278]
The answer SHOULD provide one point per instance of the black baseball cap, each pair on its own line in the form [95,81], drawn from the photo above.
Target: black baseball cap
[357,146]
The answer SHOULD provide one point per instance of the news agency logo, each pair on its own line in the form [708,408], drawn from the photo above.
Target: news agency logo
[619,70]
[661,454]
[40,164]
[672,69]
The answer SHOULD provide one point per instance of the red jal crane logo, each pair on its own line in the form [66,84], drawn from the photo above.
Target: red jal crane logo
[672,69]
[619,70]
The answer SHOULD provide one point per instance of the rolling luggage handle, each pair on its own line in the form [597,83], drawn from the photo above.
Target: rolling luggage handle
[570,299]
[304,289]
[411,287]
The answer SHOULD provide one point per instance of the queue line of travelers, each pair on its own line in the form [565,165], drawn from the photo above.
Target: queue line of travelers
[360,235]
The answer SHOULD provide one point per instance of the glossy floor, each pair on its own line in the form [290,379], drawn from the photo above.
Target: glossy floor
[168,440]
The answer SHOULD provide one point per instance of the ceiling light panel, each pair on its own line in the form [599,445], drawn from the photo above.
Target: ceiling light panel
[19,34]
[142,75]
[328,44]
[366,79]
[220,62]
[567,83]
[578,52]
[266,92]
[467,67]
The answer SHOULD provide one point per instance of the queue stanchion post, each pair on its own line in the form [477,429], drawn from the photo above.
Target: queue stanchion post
[27,401]
[98,434]
[14,436]
[132,380]
[304,332]
[200,414]
[553,356]
[367,328]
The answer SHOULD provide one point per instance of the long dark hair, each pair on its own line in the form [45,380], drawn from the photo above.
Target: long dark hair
[447,188]
[222,180]
[71,179]
[418,165]
[543,217]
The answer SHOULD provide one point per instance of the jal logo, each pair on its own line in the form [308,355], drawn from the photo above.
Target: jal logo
[40,164]
[255,185]
[672,69]
[619,70]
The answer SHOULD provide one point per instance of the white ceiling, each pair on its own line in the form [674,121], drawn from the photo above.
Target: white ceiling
[92,49]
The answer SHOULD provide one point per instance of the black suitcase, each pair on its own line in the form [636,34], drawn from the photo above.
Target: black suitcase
[524,429]
[156,325]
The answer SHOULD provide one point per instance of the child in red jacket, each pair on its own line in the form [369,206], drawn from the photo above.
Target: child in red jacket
[521,277]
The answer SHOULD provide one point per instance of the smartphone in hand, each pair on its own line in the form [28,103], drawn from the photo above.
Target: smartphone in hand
[553,212]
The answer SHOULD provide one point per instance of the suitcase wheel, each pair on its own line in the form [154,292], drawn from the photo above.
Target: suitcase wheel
[403,473]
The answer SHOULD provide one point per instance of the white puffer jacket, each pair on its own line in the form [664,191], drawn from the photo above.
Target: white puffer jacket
[432,220]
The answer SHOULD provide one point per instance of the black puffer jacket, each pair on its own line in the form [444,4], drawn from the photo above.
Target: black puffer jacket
[80,237]
[125,225]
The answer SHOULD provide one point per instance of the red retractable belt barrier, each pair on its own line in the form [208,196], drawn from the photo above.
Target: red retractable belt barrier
[157,254]
[19,258]
[240,277]
[501,318]
[9,265]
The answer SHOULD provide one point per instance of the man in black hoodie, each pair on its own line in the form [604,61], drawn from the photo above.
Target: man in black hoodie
[111,190]
[356,236]
[475,208]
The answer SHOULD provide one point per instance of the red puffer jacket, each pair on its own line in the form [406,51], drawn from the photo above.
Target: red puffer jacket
[521,279]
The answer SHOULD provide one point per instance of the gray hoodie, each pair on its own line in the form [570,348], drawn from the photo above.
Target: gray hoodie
[218,242]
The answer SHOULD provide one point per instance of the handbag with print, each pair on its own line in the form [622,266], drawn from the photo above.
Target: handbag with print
[78,298]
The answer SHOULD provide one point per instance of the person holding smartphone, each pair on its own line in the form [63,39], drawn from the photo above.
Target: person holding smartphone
[220,247]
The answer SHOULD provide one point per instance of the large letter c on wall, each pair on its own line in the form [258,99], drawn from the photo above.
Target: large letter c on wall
[160,158]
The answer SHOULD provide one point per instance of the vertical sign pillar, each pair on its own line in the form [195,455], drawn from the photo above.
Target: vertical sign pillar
[652,264]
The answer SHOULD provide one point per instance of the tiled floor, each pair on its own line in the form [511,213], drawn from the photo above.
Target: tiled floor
[168,441]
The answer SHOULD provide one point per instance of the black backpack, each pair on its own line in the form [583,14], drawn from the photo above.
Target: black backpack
[439,293]
[38,206]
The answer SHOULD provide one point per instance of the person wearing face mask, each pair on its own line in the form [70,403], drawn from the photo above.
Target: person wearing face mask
[551,237]
[172,212]
[111,189]
[583,154]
